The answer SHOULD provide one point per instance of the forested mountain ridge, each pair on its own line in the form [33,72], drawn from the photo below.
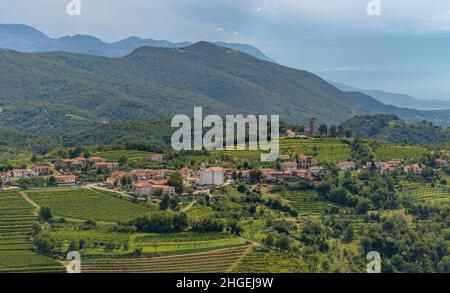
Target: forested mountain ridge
[43,91]
[60,94]
[390,128]
[24,38]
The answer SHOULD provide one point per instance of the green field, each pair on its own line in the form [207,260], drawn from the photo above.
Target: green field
[16,249]
[88,204]
[215,261]
[397,152]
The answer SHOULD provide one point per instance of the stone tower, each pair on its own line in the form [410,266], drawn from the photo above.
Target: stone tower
[313,125]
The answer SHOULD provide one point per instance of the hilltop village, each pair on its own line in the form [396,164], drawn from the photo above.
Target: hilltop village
[161,180]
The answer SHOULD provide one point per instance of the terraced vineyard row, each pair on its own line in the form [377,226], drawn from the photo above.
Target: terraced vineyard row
[216,261]
[199,212]
[415,192]
[307,202]
[393,152]
[265,261]
[323,150]
[16,249]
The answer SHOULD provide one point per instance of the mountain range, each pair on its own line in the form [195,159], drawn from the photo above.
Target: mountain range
[67,89]
[69,99]
[25,38]
[399,100]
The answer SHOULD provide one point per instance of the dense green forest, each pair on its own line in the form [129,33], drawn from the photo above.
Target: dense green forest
[392,129]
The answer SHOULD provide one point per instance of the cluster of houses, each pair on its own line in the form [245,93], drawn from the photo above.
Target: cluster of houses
[36,171]
[96,163]
[302,168]
[391,166]
[24,173]
[388,167]
[64,178]
[149,182]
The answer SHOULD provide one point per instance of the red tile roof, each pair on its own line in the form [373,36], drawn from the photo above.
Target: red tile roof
[216,169]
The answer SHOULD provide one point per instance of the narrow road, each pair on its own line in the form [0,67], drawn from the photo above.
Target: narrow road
[108,190]
[190,205]
[30,201]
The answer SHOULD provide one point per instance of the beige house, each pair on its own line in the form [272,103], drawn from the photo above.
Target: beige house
[289,166]
[159,158]
[144,188]
[106,166]
[66,179]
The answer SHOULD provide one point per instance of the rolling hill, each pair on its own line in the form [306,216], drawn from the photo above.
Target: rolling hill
[390,128]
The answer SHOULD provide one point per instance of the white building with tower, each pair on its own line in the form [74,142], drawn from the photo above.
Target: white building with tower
[212,176]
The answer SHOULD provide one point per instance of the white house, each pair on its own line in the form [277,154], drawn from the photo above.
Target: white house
[19,173]
[211,176]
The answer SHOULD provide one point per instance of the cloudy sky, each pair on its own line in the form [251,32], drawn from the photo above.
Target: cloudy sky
[334,38]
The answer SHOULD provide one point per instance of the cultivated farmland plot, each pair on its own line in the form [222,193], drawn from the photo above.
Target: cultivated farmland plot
[266,261]
[415,192]
[307,202]
[88,204]
[323,150]
[215,261]
[395,152]
[16,249]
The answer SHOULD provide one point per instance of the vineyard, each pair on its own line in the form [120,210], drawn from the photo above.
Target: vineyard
[198,212]
[307,202]
[105,243]
[130,155]
[395,152]
[215,261]
[266,261]
[88,204]
[323,150]
[185,242]
[414,192]
[16,249]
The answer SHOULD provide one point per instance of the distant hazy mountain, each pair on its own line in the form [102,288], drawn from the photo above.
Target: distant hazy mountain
[399,100]
[367,105]
[24,38]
